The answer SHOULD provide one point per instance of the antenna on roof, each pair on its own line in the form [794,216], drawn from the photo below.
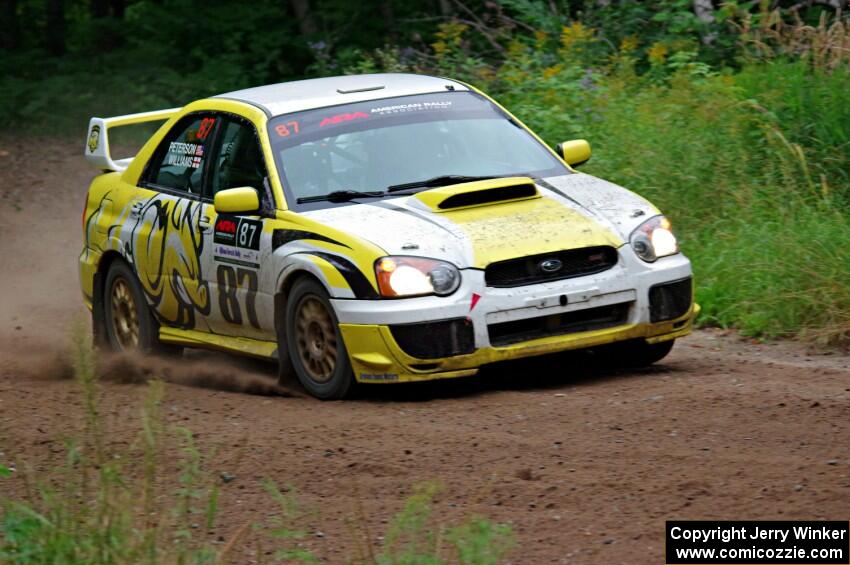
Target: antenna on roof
[353,90]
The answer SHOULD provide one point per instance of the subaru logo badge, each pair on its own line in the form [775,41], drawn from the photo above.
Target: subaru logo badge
[550,265]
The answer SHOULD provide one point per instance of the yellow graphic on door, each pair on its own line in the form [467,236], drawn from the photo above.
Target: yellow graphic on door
[166,245]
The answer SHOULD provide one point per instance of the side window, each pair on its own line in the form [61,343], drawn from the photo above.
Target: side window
[179,162]
[239,161]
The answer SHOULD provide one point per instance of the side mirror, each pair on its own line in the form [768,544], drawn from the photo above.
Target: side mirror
[575,152]
[237,200]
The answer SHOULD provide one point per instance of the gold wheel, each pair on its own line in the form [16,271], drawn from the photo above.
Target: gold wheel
[124,314]
[316,339]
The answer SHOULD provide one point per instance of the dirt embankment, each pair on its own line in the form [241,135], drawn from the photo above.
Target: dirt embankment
[585,464]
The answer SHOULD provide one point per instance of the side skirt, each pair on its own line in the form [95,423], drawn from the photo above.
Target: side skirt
[203,340]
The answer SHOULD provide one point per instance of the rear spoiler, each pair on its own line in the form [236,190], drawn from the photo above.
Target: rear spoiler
[97,142]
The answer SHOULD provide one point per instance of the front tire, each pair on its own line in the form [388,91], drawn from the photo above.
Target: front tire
[638,353]
[315,344]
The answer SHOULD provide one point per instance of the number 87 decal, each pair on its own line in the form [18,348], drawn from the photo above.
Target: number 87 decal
[229,281]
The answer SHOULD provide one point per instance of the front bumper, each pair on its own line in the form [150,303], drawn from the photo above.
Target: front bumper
[376,355]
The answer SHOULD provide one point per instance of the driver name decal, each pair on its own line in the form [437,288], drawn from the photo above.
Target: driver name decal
[185,154]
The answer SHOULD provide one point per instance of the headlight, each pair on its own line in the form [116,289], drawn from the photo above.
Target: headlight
[415,276]
[653,239]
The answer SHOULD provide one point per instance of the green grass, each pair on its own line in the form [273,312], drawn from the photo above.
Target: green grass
[779,271]
[811,107]
[154,501]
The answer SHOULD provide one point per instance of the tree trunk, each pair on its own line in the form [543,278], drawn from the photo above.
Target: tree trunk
[704,10]
[306,22]
[446,8]
[55,28]
[388,15]
[10,31]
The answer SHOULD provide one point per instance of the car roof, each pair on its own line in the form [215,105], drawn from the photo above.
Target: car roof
[287,97]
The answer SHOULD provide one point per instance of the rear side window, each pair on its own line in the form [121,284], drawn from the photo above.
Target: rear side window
[179,161]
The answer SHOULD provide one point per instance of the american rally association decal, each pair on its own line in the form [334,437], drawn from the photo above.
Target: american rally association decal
[413,107]
[94,138]
[237,241]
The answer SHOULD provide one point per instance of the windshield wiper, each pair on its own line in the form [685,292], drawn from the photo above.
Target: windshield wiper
[442,180]
[341,196]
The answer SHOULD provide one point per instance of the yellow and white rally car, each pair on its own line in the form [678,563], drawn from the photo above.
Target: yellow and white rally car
[375,228]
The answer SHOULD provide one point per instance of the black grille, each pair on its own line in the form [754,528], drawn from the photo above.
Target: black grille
[529,270]
[670,300]
[597,318]
[433,340]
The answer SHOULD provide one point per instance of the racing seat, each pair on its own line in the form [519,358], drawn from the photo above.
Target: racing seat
[244,166]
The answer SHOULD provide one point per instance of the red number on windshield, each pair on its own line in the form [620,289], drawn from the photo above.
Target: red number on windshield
[287,129]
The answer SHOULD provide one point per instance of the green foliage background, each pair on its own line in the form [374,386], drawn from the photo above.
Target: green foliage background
[737,125]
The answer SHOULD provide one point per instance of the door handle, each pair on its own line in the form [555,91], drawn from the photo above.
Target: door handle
[136,209]
[204,223]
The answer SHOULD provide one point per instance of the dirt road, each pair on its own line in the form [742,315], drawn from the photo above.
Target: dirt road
[585,464]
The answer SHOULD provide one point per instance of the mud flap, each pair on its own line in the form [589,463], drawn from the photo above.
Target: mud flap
[285,371]
[99,338]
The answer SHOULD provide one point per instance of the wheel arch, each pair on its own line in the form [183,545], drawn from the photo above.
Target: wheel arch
[282,294]
[335,273]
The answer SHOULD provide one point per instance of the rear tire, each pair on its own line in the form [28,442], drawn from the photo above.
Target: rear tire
[127,318]
[316,349]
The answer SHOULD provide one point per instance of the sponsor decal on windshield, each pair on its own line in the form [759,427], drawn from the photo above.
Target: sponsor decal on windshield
[292,128]
[339,118]
[412,107]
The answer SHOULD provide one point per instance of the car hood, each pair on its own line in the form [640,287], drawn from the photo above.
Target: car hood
[574,211]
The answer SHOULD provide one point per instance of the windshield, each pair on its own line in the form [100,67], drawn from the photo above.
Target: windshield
[371,146]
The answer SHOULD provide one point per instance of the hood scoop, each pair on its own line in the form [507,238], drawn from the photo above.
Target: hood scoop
[477,193]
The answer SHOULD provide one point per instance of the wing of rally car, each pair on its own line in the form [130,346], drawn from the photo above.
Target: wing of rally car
[98,151]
